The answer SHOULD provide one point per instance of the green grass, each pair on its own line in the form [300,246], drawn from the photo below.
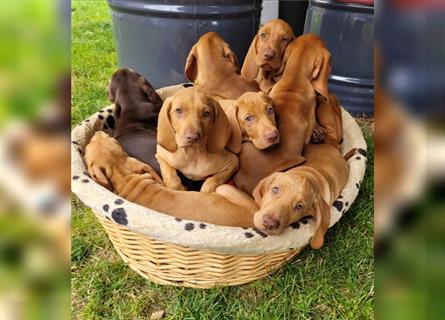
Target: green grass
[336,282]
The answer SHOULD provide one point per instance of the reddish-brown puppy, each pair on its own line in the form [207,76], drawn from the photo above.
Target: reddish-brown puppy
[252,118]
[194,139]
[305,76]
[135,181]
[307,190]
[213,67]
[263,62]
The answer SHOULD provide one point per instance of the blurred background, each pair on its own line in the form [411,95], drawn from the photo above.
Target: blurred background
[34,159]
[409,134]
[409,137]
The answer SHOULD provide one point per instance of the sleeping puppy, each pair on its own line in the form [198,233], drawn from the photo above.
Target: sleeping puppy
[263,62]
[295,95]
[110,166]
[193,134]
[252,118]
[213,67]
[137,109]
[306,190]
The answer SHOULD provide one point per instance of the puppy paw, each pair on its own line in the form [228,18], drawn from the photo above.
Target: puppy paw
[318,135]
[208,187]
[180,188]
[175,186]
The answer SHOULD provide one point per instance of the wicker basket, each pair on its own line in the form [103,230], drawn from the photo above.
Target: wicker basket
[203,261]
[171,264]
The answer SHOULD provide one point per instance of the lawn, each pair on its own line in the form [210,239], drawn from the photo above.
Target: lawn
[336,282]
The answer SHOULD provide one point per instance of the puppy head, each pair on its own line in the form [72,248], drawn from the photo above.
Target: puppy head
[105,156]
[191,118]
[125,85]
[255,115]
[285,198]
[308,56]
[211,51]
[267,48]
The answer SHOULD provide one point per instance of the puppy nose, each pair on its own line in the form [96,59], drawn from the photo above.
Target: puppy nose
[272,136]
[270,223]
[269,54]
[192,137]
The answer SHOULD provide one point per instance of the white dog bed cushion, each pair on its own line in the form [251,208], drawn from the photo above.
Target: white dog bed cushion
[195,234]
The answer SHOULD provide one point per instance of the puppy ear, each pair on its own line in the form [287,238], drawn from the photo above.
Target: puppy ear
[111,92]
[249,71]
[236,137]
[191,67]
[229,54]
[219,133]
[99,175]
[261,188]
[166,133]
[322,216]
[150,93]
[136,166]
[320,74]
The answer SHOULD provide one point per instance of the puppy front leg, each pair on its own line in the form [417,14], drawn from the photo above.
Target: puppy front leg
[237,197]
[222,176]
[169,175]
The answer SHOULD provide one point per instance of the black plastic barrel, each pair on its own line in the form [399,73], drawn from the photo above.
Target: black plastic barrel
[348,30]
[294,13]
[155,37]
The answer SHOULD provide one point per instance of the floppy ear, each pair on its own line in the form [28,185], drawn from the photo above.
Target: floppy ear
[249,71]
[136,166]
[322,216]
[229,54]
[150,93]
[261,189]
[191,67]
[320,75]
[219,133]
[236,136]
[111,92]
[166,133]
[99,175]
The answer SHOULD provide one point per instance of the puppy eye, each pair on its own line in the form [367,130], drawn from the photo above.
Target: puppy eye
[275,190]
[249,118]
[269,109]
[284,40]
[299,207]
[263,35]
[206,114]
[179,110]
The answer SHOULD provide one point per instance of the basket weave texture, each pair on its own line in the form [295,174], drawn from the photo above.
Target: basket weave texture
[171,264]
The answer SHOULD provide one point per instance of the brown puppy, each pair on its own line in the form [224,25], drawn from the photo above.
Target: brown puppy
[263,62]
[306,71]
[213,67]
[307,190]
[252,118]
[111,167]
[193,134]
[137,109]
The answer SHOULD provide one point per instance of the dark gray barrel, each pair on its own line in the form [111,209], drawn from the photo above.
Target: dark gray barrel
[348,30]
[294,13]
[155,37]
